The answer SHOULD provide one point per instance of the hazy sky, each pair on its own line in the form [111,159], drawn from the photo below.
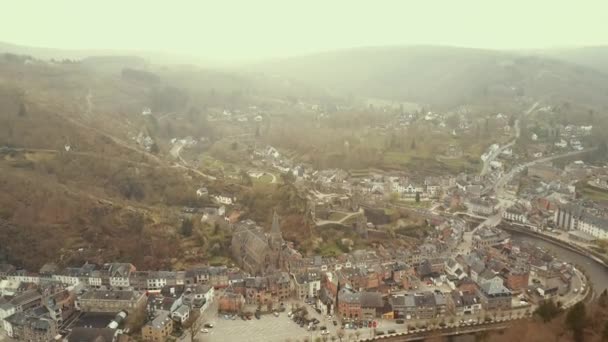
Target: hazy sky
[225,29]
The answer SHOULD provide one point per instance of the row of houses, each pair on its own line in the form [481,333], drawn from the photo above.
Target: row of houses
[575,217]
[122,276]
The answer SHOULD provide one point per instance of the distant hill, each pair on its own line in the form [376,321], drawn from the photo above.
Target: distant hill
[595,57]
[106,55]
[444,75]
[50,53]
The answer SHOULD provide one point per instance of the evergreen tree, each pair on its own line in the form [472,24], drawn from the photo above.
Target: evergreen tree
[576,321]
[547,311]
[187,227]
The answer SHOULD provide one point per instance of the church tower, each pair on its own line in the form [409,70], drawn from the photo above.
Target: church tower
[276,238]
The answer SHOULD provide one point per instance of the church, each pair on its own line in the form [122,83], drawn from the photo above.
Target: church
[255,251]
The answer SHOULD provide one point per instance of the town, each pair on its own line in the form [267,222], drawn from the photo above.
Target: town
[280,172]
[465,272]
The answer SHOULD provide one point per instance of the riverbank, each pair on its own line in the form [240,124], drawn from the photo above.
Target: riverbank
[572,247]
[594,270]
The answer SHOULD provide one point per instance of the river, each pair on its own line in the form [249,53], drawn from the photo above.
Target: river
[597,273]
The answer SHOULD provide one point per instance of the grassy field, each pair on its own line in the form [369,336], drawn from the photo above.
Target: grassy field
[265,179]
[414,204]
[211,163]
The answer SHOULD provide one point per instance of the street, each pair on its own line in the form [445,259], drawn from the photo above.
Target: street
[283,328]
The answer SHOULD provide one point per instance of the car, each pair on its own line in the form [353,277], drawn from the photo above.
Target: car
[289,314]
[379,333]
[323,328]
[442,325]
[204,331]
[318,310]
[324,332]
[335,323]
[208,325]
[315,321]
[276,314]
[392,331]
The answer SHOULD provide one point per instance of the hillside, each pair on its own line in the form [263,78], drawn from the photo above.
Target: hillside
[74,185]
[459,75]
[594,57]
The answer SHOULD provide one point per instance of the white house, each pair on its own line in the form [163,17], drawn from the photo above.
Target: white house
[561,143]
[223,199]
[25,278]
[182,314]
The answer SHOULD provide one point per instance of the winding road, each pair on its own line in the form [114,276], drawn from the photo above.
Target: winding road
[493,156]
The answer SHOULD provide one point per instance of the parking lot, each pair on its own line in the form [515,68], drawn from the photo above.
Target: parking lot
[267,328]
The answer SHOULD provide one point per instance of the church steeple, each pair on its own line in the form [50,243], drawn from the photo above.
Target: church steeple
[275,230]
[276,238]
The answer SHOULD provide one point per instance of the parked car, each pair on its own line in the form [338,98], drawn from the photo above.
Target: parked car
[335,323]
[208,325]
[204,331]
[399,321]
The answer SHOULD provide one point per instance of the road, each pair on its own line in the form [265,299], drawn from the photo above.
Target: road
[505,178]
[493,156]
[176,151]
[466,244]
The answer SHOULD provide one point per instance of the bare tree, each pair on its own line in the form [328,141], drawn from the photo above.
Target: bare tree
[341,334]
[193,324]
[135,321]
[358,333]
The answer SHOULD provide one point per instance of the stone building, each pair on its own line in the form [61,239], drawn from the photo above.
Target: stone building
[159,328]
[111,301]
[255,251]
